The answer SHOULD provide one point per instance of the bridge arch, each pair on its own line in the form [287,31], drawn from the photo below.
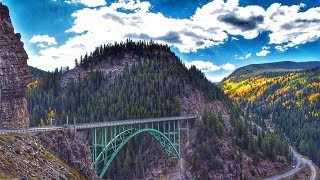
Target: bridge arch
[110,151]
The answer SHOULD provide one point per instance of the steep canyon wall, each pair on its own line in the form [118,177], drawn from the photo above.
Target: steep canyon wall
[14,75]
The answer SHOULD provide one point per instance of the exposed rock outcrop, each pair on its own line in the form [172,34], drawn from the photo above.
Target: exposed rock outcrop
[14,75]
[71,148]
[24,156]
[105,67]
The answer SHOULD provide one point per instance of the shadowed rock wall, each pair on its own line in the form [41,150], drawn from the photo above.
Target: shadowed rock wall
[14,75]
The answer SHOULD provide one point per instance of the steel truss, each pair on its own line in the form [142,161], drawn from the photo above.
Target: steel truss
[106,142]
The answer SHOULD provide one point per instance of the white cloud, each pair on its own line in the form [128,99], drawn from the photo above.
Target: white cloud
[228,67]
[207,66]
[42,45]
[216,78]
[247,56]
[43,39]
[290,26]
[235,38]
[184,34]
[281,48]
[89,3]
[221,17]
[211,25]
[265,51]
[203,66]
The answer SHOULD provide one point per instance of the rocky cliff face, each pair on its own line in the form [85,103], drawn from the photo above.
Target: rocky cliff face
[14,75]
[22,155]
[47,155]
[73,149]
[54,155]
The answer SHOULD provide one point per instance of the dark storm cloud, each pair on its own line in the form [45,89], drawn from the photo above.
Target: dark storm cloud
[305,21]
[55,57]
[191,34]
[114,18]
[170,37]
[139,36]
[134,21]
[277,13]
[136,18]
[287,26]
[199,43]
[244,24]
[299,23]
[80,46]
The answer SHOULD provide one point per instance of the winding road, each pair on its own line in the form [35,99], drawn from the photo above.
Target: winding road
[300,162]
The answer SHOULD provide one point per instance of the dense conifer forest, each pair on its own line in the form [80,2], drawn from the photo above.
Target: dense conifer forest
[147,89]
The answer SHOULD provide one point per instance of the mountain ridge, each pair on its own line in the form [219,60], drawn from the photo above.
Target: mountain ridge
[275,67]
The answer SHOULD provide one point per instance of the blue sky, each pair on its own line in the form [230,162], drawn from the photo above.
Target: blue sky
[215,35]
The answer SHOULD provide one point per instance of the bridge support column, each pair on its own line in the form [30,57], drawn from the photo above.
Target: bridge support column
[179,137]
[174,135]
[95,145]
[188,131]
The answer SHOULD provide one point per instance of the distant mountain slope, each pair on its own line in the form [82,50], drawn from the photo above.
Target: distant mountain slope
[37,75]
[274,80]
[35,72]
[275,68]
[291,100]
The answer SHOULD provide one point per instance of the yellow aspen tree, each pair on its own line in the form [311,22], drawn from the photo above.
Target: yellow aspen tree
[41,123]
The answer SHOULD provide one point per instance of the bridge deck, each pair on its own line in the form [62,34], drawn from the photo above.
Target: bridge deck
[82,126]
[131,122]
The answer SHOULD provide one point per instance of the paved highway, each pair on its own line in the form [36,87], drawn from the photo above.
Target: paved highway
[98,124]
[300,162]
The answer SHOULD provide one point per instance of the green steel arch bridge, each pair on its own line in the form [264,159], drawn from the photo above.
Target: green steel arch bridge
[108,138]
